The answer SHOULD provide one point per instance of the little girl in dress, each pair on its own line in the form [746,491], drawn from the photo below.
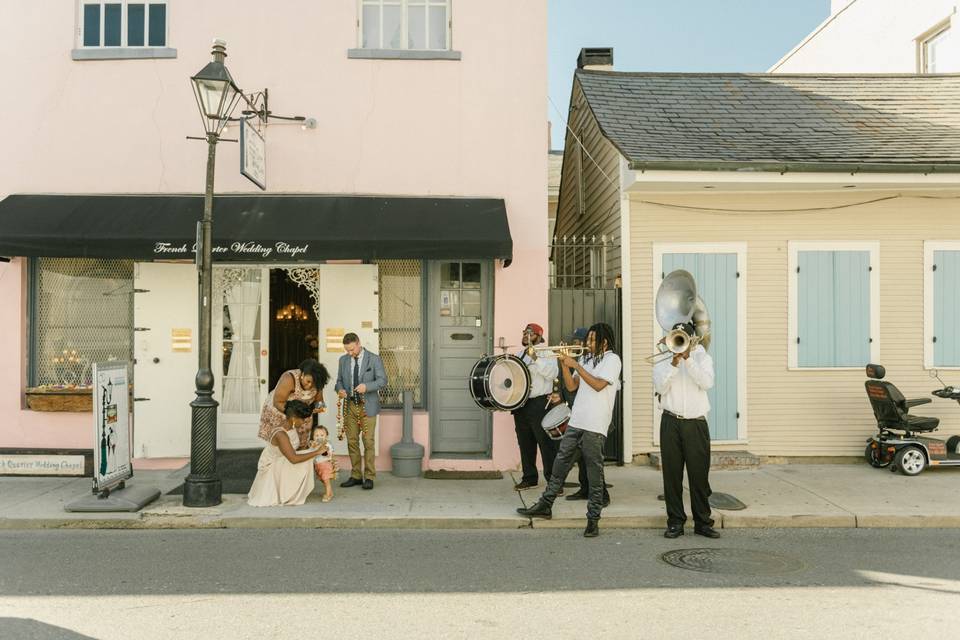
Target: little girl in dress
[323,464]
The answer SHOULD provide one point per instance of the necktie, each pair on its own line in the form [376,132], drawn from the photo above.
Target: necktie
[356,372]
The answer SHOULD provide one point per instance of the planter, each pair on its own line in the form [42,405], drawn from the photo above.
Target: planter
[75,400]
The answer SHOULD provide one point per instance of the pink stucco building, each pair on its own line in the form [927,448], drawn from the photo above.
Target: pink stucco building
[408,207]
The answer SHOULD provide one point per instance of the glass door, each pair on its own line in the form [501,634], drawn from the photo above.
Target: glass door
[241,336]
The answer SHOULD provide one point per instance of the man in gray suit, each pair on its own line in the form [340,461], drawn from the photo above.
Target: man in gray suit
[360,375]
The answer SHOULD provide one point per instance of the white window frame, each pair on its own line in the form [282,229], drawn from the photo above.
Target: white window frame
[793,321]
[123,24]
[926,38]
[929,248]
[404,34]
[740,249]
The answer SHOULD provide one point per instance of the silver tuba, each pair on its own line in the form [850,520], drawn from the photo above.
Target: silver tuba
[677,302]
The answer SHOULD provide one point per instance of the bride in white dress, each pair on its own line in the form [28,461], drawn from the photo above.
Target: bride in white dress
[284,476]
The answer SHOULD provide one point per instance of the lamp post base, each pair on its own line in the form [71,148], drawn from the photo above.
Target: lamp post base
[202,492]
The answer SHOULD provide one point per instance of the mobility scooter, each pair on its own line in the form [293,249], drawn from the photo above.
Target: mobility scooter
[897,444]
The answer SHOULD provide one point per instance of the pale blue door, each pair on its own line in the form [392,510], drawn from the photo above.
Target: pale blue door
[716,276]
[946,308]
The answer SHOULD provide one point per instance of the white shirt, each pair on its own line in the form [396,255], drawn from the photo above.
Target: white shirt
[683,388]
[543,371]
[592,409]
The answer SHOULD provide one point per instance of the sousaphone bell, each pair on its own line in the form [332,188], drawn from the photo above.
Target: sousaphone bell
[677,302]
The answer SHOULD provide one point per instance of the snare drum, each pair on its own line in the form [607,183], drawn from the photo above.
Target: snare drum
[499,382]
[555,422]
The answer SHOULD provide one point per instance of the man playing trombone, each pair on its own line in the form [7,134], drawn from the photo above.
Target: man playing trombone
[681,382]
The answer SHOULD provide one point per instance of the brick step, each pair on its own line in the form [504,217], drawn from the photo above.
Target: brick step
[727,460]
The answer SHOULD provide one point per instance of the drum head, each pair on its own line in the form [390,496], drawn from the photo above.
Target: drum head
[556,416]
[509,382]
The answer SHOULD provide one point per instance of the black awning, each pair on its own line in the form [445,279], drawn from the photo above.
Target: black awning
[274,228]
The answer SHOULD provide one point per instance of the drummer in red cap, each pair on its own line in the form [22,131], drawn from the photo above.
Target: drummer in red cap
[528,417]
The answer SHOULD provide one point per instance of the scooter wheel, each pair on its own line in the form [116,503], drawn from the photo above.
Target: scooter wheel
[910,461]
[873,459]
[953,444]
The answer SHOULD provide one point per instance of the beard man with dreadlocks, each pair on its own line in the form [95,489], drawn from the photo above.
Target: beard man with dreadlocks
[596,379]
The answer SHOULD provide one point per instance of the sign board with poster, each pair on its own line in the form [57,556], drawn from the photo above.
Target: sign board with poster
[112,464]
[111,413]
[253,154]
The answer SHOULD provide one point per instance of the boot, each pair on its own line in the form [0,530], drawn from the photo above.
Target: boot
[539,510]
[593,528]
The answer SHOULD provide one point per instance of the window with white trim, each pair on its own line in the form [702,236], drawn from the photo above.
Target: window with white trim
[833,314]
[122,24]
[941,304]
[933,50]
[422,25]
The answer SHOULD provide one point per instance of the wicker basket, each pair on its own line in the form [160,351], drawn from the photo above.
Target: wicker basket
[76,400]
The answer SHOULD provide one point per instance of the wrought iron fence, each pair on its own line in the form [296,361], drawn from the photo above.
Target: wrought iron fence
[582,262]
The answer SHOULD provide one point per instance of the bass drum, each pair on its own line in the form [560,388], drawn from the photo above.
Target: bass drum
[500,383]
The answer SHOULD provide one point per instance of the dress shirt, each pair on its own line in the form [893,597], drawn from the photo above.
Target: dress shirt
[543,371]
[683,388]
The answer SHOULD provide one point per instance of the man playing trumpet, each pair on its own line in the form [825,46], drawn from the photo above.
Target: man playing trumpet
[682,382]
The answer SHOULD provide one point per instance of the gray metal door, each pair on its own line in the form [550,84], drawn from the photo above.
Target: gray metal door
[460,315]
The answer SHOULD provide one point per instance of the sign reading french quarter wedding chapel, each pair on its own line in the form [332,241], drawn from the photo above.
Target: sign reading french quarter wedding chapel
[253,155]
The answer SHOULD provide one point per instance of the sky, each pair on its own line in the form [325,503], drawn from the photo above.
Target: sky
[673,35]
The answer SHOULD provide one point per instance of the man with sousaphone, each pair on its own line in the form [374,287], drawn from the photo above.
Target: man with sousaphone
[682,374]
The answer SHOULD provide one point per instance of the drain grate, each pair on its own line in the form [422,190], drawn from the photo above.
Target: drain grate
[733,562]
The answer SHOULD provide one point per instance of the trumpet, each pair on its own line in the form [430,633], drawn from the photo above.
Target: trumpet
[571,350]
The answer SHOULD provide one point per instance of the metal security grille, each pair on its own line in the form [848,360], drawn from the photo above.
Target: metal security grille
[83,310]
[401,339]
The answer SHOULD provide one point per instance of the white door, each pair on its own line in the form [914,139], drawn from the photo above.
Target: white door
[165,357]
[348,303]
[241,332]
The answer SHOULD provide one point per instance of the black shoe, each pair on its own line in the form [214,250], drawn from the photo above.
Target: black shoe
[520,486]
[351,482]
[592,530]
[706,531]
[673,531]
[579,495]
[538,510]
[368,484]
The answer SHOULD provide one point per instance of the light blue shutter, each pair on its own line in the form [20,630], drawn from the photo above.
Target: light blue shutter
[716,277]
[833,314]
[946,308]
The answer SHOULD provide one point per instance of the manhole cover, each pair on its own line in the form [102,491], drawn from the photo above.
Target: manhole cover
[734,562]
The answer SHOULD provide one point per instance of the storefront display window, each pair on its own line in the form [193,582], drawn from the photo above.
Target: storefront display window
[82,312]
[401,338]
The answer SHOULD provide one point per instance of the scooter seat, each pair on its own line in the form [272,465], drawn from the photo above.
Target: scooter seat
[921,423]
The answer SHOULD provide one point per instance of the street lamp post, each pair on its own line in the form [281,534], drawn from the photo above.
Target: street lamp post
[217,95]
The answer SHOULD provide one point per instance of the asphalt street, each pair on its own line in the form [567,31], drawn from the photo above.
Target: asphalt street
[278,583]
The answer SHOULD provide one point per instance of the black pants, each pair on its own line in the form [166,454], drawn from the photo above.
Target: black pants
[685,442]
[584,480]
[530,435]
[590,447]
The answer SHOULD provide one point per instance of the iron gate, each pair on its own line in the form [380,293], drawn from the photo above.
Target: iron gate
[583,292]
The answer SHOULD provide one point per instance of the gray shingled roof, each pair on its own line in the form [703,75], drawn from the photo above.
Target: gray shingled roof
[779,122]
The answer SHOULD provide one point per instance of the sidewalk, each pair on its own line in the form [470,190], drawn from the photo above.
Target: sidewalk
[842,495]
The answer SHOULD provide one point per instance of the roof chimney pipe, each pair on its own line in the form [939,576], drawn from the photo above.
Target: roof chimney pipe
[595,59]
